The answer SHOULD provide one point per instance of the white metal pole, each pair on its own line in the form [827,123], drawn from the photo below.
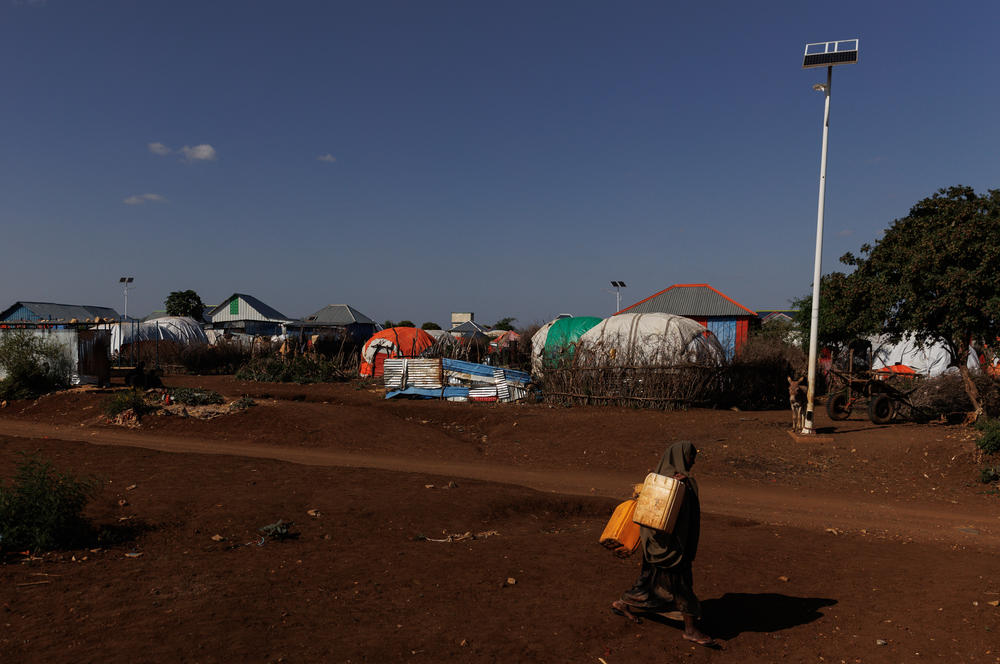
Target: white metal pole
[808,426]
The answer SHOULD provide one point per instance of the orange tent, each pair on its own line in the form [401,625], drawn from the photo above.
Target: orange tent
[392,342]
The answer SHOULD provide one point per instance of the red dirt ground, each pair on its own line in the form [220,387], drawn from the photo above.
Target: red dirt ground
[811,551]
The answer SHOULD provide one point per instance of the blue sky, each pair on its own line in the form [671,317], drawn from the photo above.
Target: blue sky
[417,158]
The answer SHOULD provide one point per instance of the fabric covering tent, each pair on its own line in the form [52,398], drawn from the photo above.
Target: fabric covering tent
[538,346]
[563,336]
[179,329]
[392,342]
[933,359]
[651,339]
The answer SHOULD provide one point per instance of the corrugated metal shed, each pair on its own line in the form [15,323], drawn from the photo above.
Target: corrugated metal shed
[36,311]
[690,300]
[240,306]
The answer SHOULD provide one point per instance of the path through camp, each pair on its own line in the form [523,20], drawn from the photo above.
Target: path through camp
[433,531]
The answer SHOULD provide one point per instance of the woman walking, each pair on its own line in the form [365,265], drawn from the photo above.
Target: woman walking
[665,581]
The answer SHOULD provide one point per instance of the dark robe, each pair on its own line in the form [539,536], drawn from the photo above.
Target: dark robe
[665,580]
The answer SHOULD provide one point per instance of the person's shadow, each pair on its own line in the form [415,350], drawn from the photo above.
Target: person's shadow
[734,613]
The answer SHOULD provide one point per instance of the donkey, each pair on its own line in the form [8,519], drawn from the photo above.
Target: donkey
[797,400]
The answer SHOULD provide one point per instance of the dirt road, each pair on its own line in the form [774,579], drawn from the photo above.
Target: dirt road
[806,508]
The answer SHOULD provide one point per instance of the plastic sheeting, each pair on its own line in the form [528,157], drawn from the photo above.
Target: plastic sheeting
[180,329]
[538,347]
[392,342]
[651,339]
[929,360]
[563,336]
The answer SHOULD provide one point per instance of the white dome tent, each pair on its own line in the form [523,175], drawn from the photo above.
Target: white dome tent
[179,329]
[650,339]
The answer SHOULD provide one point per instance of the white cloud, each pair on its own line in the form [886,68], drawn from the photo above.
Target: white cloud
[327,158]
[139,199]
[847,232]
[158,148]
[203,152]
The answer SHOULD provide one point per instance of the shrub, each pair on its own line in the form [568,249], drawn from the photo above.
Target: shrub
[42,509]
[225,357]
[989,474]
[194,396]
[296,369]
[242,403]
[124,400]
[989,436]
[34,365]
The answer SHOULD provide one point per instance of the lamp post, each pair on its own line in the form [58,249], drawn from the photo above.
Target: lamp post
[618,285]
[822,54]
[125,281]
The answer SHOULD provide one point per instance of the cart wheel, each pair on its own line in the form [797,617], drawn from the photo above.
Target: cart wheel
[838,406]
[881,409]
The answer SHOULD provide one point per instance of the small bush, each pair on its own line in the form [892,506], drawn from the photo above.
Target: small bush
[42,510]
[989,474]
[296,369]
[989,436]
[124,400]
[242,403]
[34,365]
[194,396]
[225,357]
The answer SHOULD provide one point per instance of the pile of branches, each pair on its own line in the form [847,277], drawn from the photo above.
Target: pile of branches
[945,397]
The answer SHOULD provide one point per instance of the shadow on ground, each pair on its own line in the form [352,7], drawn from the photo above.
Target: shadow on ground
[734,613]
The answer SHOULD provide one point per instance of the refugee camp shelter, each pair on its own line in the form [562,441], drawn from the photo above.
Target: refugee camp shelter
[648,340]
[23,312]
[468,329]
[392,342]
[928,359]
[769,316]
[245,314]
[335,317]
[726,318]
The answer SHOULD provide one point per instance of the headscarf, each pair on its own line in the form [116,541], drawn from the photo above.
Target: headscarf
[680,545]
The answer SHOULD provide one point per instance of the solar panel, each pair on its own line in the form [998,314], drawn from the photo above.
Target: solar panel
[827,54]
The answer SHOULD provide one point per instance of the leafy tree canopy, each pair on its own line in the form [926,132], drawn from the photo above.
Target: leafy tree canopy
[184,303]
[405,323]
[386,324]
[504,323]
[934,274]
[430,326]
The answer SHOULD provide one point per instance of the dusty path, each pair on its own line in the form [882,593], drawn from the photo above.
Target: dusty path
[778,505]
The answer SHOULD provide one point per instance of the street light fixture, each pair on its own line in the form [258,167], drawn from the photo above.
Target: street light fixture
[822,54]
[618,285]
[125,281]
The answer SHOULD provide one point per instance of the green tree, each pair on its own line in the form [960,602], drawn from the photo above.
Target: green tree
[935,274]
[184,303]
[430,326]
[386,324]
[405,323]
[504,323]
[844,312]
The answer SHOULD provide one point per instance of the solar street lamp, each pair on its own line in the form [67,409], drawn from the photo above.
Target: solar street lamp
[618,285]
[822,54]
[125,281]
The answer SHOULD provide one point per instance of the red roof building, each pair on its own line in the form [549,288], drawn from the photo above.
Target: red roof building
[726,318]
